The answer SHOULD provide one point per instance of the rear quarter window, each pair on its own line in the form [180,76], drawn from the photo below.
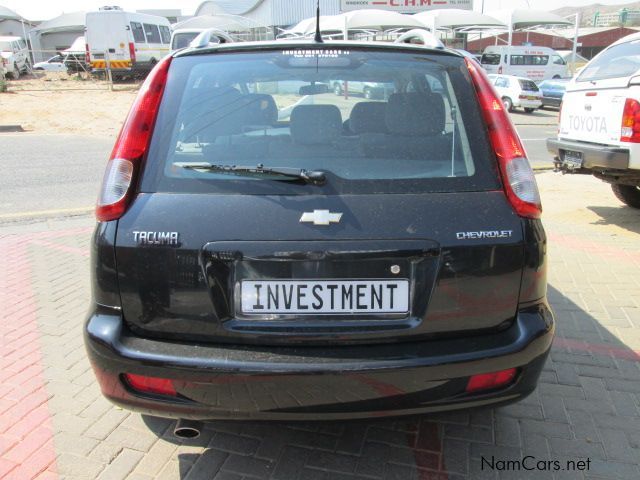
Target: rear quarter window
[165,34]
[414,128]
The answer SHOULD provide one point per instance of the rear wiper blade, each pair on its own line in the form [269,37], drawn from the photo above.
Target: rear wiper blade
[314,177]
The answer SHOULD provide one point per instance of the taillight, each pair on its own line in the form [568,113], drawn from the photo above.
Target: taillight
[131,146]
[517,176]
[144,384]
[87,55]
[490,381]
[630,128]
[132,52]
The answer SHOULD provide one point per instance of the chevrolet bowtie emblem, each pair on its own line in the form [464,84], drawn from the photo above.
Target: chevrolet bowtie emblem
[320,217]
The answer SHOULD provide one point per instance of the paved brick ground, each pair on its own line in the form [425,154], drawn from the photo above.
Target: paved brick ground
[55,424]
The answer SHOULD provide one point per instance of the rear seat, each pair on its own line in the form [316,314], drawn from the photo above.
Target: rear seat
[316,131]
[416,123]
[227,137]
[368,117]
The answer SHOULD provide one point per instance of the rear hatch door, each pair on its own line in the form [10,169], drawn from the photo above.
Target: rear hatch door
[408,271]
[411,235]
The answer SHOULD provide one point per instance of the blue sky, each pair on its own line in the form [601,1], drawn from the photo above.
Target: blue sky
[39,10]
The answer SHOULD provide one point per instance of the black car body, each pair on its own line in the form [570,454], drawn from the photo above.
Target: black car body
[553,91]
[273,255]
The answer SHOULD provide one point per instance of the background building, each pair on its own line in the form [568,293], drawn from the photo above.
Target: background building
[56,34]
[11,23]
[623,17]
[591,40]
[172,14]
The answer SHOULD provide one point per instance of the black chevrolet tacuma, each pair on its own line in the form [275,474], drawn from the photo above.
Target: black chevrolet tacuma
[269,249]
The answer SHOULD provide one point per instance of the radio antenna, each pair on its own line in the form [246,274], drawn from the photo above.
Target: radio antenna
[318,37]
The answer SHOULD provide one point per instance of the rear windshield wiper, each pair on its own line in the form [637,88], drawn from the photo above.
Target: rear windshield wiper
[314,177]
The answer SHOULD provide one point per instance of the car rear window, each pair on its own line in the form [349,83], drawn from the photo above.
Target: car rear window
[528,85]
[618,61]
[372,121]
[490,59]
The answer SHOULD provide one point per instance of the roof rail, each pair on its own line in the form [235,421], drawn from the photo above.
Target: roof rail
[420,36]
[211,37]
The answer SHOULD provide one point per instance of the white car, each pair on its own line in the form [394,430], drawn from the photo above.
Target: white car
[517,92]
[15,56]
[54,64]
[599,130]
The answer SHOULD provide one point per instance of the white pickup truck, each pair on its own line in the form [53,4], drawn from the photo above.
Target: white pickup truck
[14,55]
[599,131]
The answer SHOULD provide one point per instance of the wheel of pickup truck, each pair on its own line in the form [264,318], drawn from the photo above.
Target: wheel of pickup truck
[627,194]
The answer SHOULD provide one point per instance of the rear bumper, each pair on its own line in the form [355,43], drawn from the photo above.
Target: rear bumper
[594,156]
[290,383]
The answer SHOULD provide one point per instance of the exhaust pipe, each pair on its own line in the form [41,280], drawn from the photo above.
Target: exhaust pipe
[187,429]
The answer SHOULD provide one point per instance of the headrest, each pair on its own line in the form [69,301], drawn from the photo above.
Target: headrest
[315,124]
[415,113]
[260,109]
[368,117]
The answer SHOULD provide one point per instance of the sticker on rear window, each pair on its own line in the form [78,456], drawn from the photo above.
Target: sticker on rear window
[316,53]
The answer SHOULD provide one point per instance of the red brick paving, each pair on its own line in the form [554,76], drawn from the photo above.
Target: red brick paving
[53,418]
[26,443]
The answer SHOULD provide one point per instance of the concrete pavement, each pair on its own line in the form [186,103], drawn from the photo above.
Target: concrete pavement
[55,423]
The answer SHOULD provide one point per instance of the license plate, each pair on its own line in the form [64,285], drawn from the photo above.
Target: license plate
[572,159]
[325,297]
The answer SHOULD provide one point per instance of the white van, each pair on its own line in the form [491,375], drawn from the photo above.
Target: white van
[534,63]
[131,42]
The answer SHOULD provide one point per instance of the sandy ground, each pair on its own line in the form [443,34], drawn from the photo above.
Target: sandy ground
[59,103]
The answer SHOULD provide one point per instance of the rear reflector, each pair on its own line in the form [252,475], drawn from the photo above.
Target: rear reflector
[518,178]
[630,128]
[490,381]
[131,146]
[141,383]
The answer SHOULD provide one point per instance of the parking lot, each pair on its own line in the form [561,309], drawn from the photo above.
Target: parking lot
[583,421]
